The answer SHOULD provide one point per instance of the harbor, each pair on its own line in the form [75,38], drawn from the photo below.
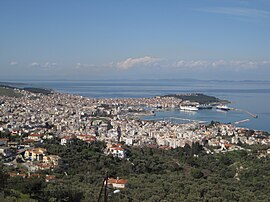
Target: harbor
[238,117]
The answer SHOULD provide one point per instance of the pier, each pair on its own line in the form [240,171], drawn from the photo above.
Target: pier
[242,121]
[245,111]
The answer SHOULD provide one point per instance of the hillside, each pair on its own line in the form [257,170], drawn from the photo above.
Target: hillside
[198,97]
[9,91]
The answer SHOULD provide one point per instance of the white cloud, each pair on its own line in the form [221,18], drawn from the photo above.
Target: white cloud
[131,62]
[35,64]
[233,64]
[13,63]
[49,65]
[80,65]
[238,11]
[192,64]
[46,65]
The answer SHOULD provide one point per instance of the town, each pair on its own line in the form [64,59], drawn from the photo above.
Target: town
[36,117]
[32,122]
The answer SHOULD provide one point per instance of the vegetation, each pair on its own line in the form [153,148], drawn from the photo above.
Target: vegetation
[181,174]
[6,90]
[38,90]
[197,97]
[10,92]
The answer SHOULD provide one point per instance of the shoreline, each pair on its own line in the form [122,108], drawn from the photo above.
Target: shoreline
[241,118]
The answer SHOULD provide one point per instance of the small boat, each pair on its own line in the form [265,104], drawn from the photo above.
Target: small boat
[188,108]
[223,107]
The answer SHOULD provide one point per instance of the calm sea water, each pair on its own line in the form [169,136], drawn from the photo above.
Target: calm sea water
[249,95]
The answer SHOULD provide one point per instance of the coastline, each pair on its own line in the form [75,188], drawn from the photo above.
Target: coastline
[230,117]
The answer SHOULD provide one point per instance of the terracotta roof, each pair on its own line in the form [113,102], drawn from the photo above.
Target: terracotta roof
[50,177]
[165,147]
[12,174]
[117,145]
[117,181]
[22,175]
[37,150]
[44,165]
[35,175]
[228,145]
[67,137]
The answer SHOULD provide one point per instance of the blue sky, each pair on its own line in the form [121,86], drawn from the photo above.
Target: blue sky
[133,39]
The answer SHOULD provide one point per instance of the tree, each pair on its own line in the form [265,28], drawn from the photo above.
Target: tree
[196,173]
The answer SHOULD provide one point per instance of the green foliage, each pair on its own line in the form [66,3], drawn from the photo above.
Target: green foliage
[3,179]
[196,173]
[8,91]
[38,90]
[153,175]
[197,97]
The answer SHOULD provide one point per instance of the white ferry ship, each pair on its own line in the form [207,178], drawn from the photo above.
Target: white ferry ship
[223,107]
[188,108]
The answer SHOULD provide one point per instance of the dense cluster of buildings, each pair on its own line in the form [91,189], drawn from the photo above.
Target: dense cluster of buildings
[36,117]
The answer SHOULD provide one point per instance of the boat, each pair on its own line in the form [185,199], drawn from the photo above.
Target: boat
[204,106]
[188,108]
[223,107]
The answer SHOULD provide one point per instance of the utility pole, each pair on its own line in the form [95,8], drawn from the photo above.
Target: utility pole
[105,181]
[105,191]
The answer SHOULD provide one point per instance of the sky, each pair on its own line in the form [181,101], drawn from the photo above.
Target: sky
[134,39]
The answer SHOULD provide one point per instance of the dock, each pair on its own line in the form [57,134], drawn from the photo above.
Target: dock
[247,112]
[242,121]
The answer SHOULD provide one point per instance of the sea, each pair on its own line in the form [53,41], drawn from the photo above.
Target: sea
[251,96]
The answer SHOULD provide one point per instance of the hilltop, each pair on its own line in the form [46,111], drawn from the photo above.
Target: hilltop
[198,97]
[11,91]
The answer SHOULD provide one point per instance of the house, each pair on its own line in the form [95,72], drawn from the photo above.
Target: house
[13,144]
[66,139]
[3,141]
[34,175]
[117,183]
[51,159]
[87,138]
[117,151]
[165,147]
[35,154]
[5,151]
[50,178]
[43,166]
[28,142]
[35,137]
[14,174]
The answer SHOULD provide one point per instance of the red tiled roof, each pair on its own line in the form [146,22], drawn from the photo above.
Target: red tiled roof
[165,147]
[35,175]
[13,174]
[228,145]
[50,177]
[117,181]
[67,137]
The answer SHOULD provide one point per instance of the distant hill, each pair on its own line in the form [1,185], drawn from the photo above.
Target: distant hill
[9,91]
[38,90]
[197,97]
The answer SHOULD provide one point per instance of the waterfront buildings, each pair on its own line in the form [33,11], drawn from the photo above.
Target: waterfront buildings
[37,117]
